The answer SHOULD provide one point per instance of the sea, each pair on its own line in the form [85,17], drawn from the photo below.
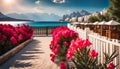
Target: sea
[47,24]
[37,23]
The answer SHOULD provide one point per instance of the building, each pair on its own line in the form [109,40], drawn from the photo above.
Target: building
[86,17]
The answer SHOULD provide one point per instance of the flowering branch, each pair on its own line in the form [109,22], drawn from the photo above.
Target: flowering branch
[85,58]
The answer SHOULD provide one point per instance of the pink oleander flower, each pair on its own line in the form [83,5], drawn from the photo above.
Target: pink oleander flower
[13,40]
[71,49]
[79,43]
[70,54]
[20,37]
[56,51]
[72,33]
[15,34]
[63,65]
[65,43]
[111,66]
[28,36]
[8,31]
[52,57]
[93,54]
[87,42]
[57,38]
[66,33]
[4,37]
[58,46]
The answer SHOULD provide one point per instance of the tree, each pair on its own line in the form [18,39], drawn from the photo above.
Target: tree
[93,19]
[105,17]
[114,9]
[101,17]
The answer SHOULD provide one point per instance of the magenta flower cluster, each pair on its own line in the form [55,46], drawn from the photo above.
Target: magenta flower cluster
[62,37]
[80,49]
[79,44]
[11,36]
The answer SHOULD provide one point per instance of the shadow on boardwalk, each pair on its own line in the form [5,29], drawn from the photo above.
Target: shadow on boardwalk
[26,54]
[35,55]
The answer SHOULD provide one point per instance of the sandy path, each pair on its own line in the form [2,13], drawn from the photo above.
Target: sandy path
[34,56]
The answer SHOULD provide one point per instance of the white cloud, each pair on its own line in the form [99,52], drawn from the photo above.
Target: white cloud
[27,8]
[68,11]
[59,1]
[21,8]
[37,2]
[39,9]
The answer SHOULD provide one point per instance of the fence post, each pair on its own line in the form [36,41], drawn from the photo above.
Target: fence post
[87,31]
[46,31]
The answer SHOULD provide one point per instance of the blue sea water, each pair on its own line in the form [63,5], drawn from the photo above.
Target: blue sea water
[35,24]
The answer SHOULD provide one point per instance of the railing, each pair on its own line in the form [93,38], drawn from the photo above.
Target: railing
[43,30]
[100,43]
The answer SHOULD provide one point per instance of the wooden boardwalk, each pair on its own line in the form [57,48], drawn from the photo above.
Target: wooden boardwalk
[34,56]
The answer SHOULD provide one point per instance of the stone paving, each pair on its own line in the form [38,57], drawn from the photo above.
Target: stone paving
[34,56]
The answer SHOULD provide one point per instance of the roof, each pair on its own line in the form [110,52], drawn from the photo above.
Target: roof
[112,22]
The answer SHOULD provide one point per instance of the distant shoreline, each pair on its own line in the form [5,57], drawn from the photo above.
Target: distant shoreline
[35,23]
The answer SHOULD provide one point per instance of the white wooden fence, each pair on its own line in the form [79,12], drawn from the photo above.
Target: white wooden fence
[99,43]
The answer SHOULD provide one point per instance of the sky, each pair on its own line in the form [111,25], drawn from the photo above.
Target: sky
[58,7]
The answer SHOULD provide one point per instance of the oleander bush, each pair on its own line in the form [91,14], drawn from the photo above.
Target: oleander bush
[85,58]
[67,46]
[11,36]
[62,37]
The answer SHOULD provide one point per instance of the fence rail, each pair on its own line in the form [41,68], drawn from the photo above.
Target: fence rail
[43,31]
[100,43]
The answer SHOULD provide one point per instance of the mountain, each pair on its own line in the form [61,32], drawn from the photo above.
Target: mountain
[84,12]
[36,16]
[2,16]
[76,14]
[6,18]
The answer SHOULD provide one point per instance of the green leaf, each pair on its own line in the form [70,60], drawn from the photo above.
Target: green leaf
[112,54]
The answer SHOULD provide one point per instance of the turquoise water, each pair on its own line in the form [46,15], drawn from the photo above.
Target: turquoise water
[47,24]
[51,23]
